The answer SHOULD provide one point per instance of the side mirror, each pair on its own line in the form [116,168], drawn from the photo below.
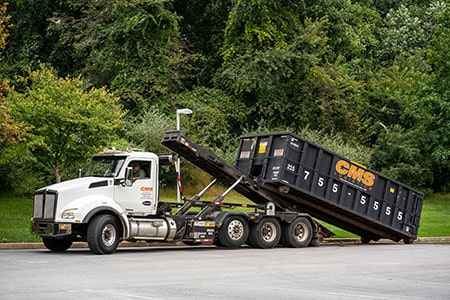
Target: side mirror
[129,176]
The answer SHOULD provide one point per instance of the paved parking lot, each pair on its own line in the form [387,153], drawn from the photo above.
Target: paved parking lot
[376,271]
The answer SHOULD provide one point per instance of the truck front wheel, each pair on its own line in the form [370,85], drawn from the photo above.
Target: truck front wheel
[103,234]
[57,245]
[234,232]
[297,234]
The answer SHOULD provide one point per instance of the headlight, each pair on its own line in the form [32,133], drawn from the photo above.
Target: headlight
[69,213]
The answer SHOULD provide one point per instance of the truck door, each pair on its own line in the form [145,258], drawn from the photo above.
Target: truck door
[139,199]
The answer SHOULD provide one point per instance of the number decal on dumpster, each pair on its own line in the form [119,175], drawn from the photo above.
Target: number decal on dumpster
[388,211]
[290,167]
[320,182]
[335,188]
[363,199]
[376,205]
[306,175]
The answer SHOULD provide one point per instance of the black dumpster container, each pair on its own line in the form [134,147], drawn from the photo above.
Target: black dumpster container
[330,187]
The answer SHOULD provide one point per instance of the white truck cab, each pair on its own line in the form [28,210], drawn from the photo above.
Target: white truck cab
[119,185]
[118,171]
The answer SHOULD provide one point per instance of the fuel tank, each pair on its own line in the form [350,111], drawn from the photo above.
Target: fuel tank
[153,229]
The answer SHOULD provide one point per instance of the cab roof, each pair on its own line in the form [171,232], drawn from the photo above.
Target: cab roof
[128,153]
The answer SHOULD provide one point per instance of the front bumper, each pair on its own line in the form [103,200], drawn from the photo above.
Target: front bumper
[51,229]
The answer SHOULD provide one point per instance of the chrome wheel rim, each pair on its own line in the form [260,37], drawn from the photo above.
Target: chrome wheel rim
[269,232]
[109,235]
[235,230]
[300,232]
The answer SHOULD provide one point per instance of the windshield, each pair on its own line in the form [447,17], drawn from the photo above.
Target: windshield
[105,166]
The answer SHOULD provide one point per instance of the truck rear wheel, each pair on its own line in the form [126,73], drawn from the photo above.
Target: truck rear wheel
[297,234]
[234,232]
[103,235]
[57,245]
[265,234]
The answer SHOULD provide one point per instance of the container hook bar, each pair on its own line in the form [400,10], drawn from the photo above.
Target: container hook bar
[188,204]
[218,200]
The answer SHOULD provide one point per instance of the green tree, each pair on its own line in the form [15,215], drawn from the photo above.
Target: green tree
[298,63]
[147,130]
[437,126]
[4,25]
[273,82]
[28,42]
[406,33]
[353,27]
[69,123]
[133,47]
[10,131]
[438,54]
[215,116]
[260,25]
[399,153]
[202,26]
[407,114]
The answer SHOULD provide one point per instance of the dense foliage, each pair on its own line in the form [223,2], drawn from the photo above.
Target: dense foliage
[372,75]
[67,122]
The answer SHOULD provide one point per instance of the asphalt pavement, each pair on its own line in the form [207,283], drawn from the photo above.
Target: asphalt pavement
[329,241]
[331,271]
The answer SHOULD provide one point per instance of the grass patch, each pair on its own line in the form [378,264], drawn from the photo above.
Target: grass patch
[16,212]
[435,219]
[15,216]
[339,233]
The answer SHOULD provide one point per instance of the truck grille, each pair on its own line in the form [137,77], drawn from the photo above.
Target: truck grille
[44,205]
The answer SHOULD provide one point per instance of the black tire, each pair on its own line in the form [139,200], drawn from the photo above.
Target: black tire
[234,232]
[265,234]
[297,234]
[408,241]
[315,242]
[103,234]
[57,245]
[218,243]
[365,240]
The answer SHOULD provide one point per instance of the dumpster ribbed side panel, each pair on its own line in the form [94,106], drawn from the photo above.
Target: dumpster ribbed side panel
[331,187]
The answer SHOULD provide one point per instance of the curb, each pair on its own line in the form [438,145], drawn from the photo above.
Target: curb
[18,246]
[422,240]
[327,241]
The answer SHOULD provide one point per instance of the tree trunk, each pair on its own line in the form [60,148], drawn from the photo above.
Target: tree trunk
[57,174]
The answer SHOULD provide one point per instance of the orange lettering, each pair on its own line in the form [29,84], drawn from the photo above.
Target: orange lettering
[356,173]
[342,167]
[369,179]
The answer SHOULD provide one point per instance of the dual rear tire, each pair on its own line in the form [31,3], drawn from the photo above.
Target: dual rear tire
[265,234]
[234,232]
[297,234]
